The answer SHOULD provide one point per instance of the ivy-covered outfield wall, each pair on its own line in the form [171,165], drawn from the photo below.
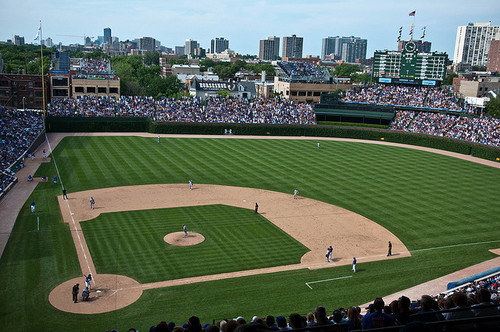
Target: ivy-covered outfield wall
[88,124]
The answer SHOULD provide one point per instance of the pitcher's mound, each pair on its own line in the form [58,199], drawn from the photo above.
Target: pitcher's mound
[178,239]
[110,292]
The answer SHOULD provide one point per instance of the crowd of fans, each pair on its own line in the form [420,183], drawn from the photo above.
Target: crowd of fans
[94,66]
[97,69]
[303,70]
[478,299]
[18,130]
[484,129]
[215,109]
[409,96]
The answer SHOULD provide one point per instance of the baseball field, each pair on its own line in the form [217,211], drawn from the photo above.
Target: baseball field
[440,213]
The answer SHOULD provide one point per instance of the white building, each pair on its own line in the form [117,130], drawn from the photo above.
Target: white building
[472,44]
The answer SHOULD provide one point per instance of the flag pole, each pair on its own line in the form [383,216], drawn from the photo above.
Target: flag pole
[41,58]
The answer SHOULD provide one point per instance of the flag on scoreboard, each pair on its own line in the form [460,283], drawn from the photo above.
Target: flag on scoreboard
[423,32]
[411,32]
[412,13]
[399,36]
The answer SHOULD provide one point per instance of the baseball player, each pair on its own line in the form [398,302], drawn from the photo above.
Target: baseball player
[191,184]
[65,196]
[44,153]
[184,227]
[158,139]
[295,193]
[88,279]
[354,264]
[328,255]
[55,179]
[92,202]
[32,205]
[389,253]
[318,145]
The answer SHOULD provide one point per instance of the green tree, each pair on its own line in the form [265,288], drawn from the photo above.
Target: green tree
[151,58]
[223,93]
[345,69]
[493,107]
[361,78]
[448,80]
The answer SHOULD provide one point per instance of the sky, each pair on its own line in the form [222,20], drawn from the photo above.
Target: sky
[244,23]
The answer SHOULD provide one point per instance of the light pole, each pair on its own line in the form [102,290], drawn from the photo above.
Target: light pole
[24,98]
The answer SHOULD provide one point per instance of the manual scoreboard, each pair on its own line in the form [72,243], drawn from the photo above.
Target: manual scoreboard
[409,66]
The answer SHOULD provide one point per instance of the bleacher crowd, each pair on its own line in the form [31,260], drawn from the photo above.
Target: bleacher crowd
[18,130]
[484,129]
[216,109]
[422,97]
[475,300]
[94,69]
[302,69]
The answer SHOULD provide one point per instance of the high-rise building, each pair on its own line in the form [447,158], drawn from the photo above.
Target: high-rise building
[354,49]
[107,36]
[147,44]
[192,47]
[269,48]
[494,56]
[179,50]
[49,42]
[292,47]
[219,45]
[472,44]
[18,40]
[335,46]
[328,46]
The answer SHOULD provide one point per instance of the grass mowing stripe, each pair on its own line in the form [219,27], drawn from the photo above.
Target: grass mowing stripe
[409,192]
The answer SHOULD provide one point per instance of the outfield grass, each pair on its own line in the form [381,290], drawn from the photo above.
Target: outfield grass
[426,200]
[131,243]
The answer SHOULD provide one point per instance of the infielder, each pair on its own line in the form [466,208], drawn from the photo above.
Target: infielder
[295,193]
[92,203]
[354,264]
[191,184]
[328,255]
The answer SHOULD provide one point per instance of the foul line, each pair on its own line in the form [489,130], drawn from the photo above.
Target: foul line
[455,245]
[313,282]
[70,212]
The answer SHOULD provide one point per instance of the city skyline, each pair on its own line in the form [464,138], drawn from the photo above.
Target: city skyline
[245,24]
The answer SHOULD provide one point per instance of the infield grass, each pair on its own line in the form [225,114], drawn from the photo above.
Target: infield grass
[427,200]
[131,243]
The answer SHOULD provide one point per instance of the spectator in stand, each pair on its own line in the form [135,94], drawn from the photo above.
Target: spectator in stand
[282,324]
[310,319]
[353,319]
[403,313]
[270,322]
[378,318]
[296,321]
[320,315]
